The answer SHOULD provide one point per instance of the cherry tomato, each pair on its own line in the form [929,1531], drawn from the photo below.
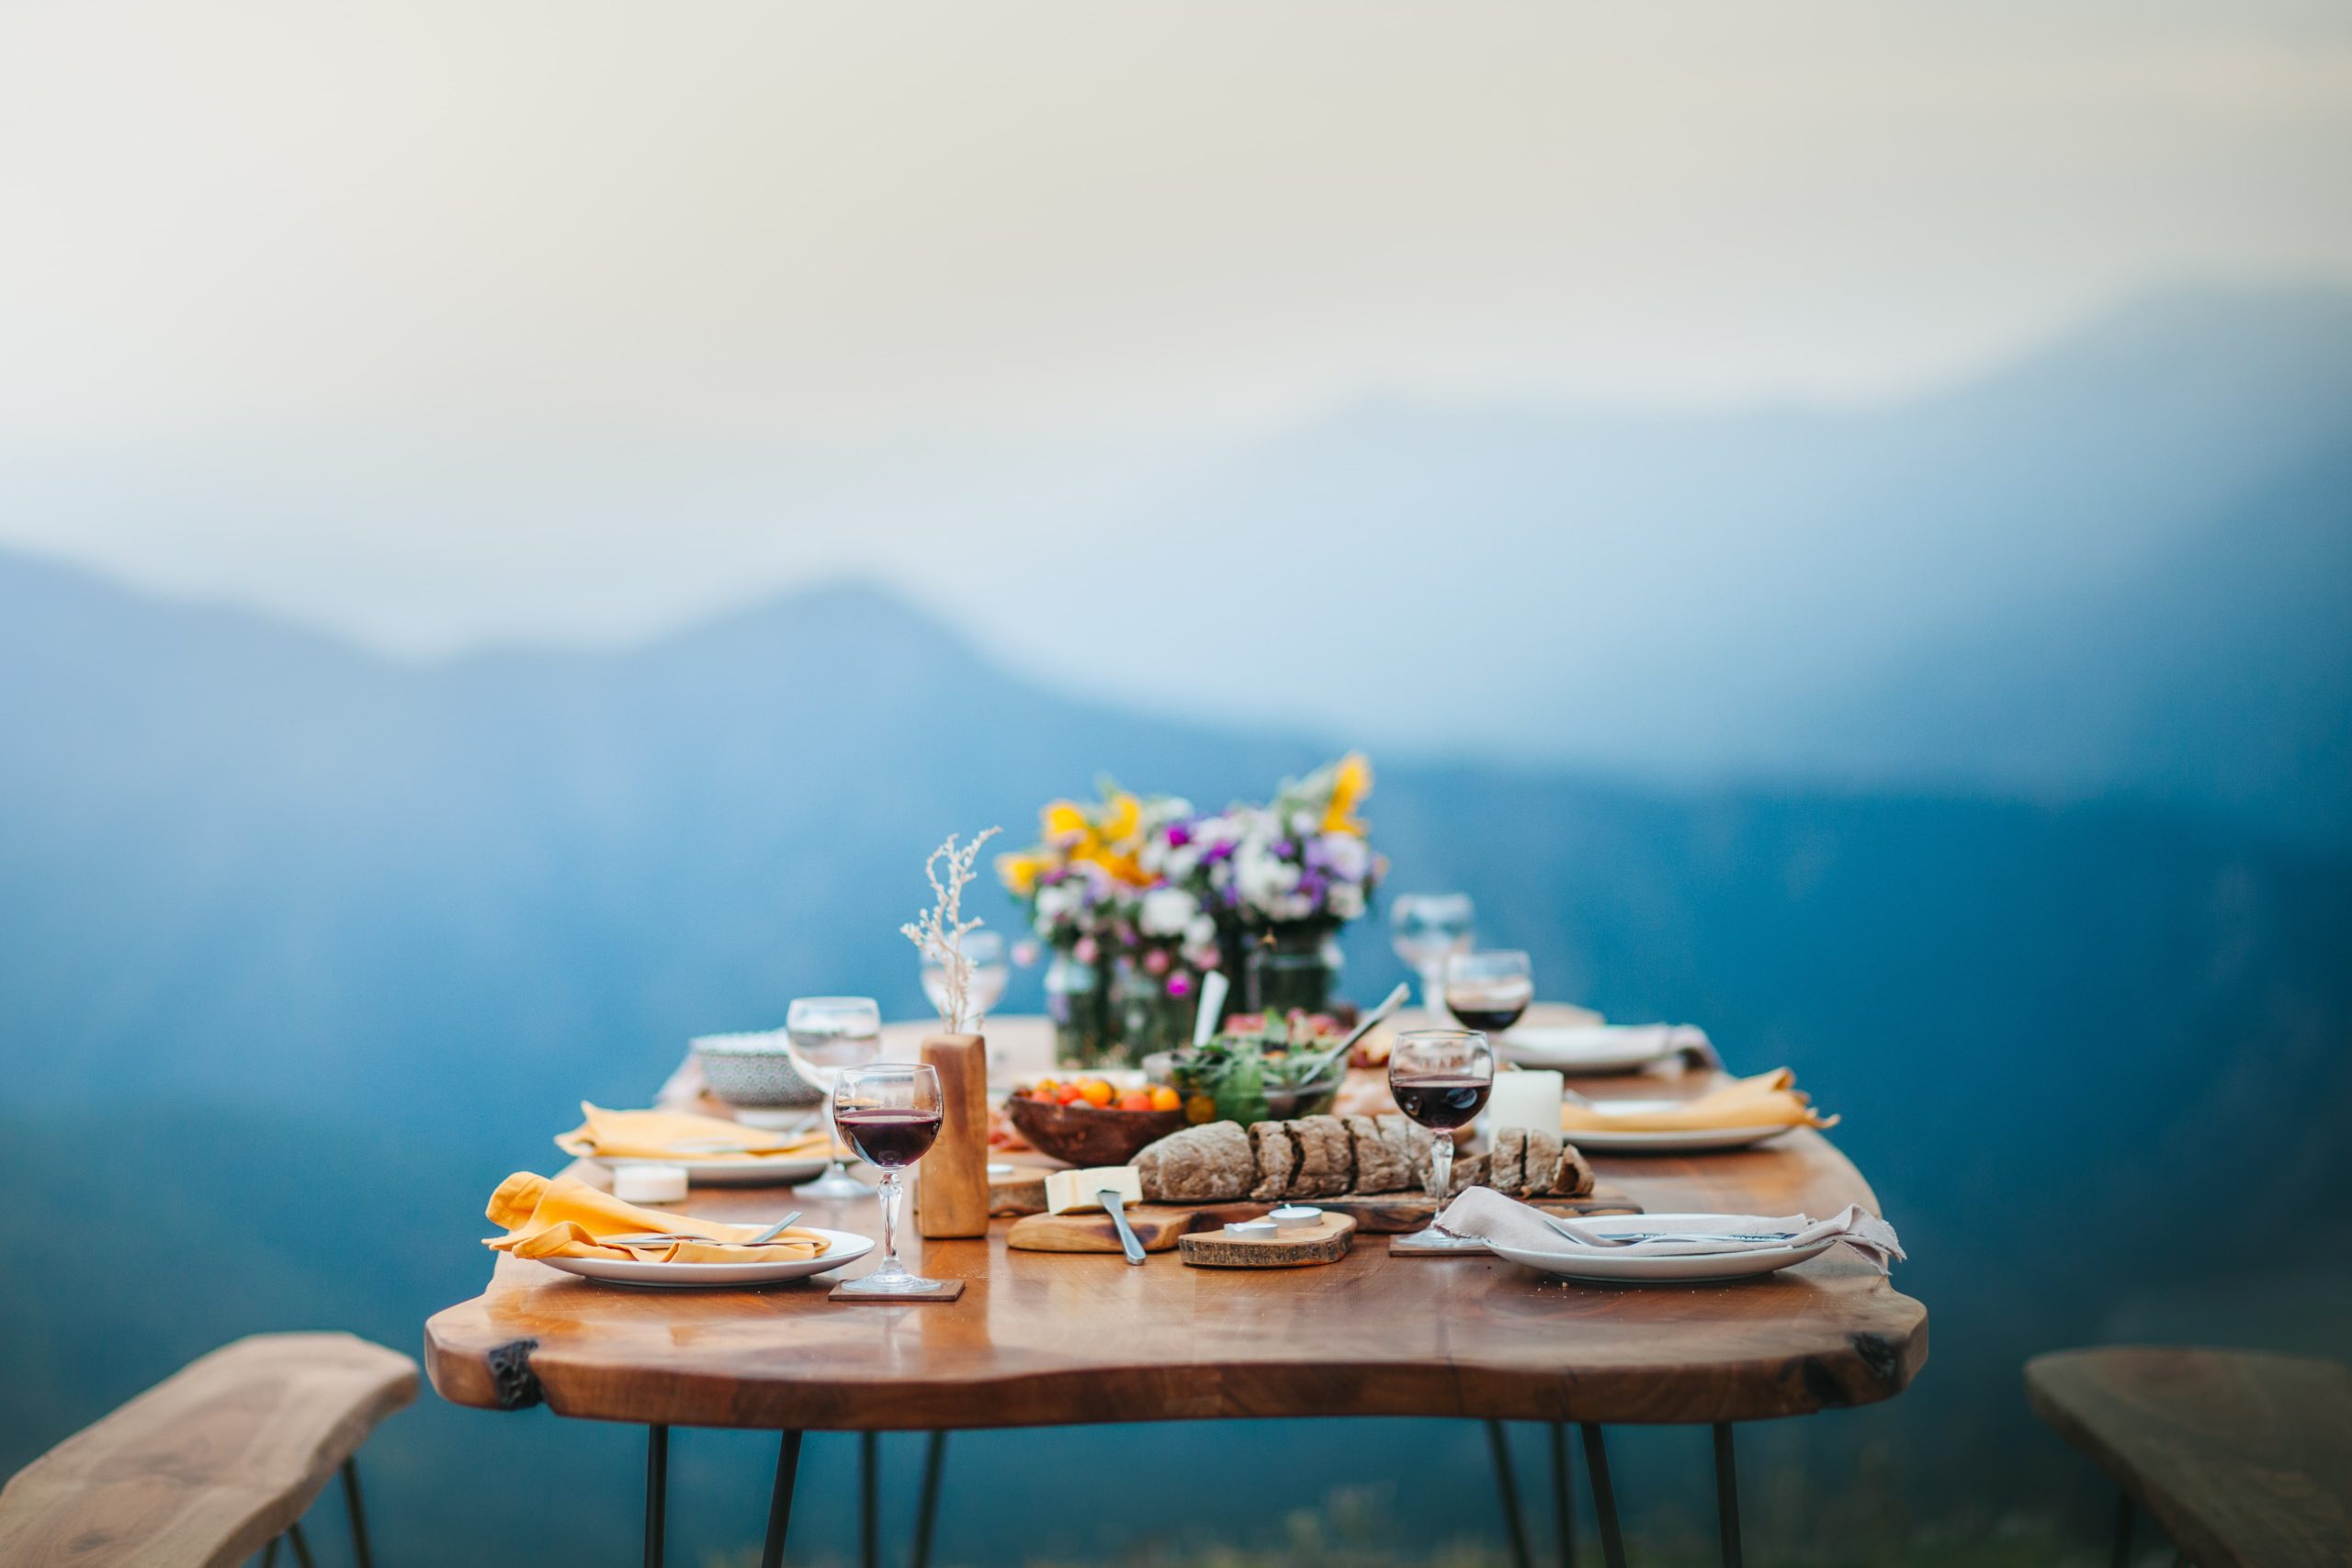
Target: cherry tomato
[1134,1099]
[1095,1092]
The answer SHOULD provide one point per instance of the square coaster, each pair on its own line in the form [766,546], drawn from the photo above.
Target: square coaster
[1428,1244]
[859,1290]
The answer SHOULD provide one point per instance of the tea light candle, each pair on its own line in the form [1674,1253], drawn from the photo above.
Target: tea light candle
[1250,1230]
[1527,1099]
[650,1182]
[1295,1216]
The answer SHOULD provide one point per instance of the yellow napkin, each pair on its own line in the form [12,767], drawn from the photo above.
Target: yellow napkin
[1767,1100]
[680,1135]
[566,1217]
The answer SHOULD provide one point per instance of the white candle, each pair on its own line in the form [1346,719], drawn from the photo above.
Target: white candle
[1528,1098]
[649,1183]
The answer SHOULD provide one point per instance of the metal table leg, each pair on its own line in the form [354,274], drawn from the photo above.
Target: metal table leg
[1564,1500]
[1727,1494]
[656,1492]
[301,1547]
[1604,1499]
[359,1553]
[934,1460]
[868,1498]
[1499,1446]
[787,1469]
[2123,1530]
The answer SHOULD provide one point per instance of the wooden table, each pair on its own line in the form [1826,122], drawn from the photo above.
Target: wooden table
[1052,1339]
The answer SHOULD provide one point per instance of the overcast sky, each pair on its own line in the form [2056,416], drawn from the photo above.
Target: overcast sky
[446,322]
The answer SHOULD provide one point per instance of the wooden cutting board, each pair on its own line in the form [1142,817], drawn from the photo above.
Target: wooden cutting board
[1091,1230]
[1022,1191]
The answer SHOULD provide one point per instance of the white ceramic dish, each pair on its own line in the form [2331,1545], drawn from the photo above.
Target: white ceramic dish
[840,1246]
[789,1172]
[1631,1141]
[1590,1050]
[1603,1266]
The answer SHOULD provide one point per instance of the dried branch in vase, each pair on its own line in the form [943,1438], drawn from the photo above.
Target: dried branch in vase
[938,932]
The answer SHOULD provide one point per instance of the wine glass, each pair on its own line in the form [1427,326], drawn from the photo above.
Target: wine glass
[1488,991]
[1441,1078]
[1425,928]
[984,951]
[890,1111]
[829,1034]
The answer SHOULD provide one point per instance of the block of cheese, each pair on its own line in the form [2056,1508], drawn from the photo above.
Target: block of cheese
[1070,1190]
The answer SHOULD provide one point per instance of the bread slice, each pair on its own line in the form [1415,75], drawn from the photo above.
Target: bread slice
[1469,1170]
[1542,1166]
[1209,1163]
[1326,1164]
[1380,1165]
[1277,1158]
[1505,1161]
[1573,1178]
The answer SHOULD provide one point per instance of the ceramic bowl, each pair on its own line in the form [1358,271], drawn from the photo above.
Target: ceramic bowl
[754,1071]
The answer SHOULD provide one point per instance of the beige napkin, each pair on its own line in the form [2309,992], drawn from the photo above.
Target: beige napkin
[566,1217]
[1767,1099]
[682,1136]
[1482,1213]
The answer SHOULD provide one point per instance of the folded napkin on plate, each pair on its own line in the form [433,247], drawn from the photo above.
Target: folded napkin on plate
[1489,1216]
[566,1217]
[1767,1099]
[681,1134]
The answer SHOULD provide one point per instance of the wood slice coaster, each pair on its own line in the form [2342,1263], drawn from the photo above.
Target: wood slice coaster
[940,1290]
[1091,1230]
[1325,1241]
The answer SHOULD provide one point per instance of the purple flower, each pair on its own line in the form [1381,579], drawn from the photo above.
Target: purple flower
[1179,983]
[1179,835]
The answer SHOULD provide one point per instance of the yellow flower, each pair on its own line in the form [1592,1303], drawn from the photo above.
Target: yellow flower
[1064,819]
[1122,818]
[1019,872]
[1350,782]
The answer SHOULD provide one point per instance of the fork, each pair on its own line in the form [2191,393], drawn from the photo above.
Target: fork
[647,1238]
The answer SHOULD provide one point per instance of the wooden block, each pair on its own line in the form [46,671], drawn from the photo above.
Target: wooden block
[940,1290]
[952,1196]
[1022,1191]
[1156,1226]
[1325,1241]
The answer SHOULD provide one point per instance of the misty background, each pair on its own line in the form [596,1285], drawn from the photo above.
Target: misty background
[520,526]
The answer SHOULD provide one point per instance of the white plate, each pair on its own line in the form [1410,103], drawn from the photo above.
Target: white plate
[1602,1265]
[840,1246]
[789,1172]
[1587,1049]
[1630,1141]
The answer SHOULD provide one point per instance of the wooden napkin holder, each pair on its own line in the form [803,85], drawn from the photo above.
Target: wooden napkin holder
[951,1195]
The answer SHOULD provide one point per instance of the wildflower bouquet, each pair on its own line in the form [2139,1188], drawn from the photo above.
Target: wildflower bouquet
[1299,865]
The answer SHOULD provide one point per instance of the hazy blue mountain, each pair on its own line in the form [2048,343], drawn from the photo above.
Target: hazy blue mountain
[291,930]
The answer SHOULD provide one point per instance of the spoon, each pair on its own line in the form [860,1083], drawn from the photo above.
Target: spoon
[1213,985]
[1375,1018]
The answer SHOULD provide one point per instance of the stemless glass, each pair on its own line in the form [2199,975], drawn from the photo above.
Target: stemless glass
[1426,929]
[829,1034]
[984,951]
[1488,991]
[1441,1078]
[890,1111]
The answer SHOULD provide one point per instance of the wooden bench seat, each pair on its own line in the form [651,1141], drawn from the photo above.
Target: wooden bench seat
[210,1465]
[2244,1460]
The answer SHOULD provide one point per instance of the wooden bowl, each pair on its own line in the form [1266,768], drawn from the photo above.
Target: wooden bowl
[1088,1134]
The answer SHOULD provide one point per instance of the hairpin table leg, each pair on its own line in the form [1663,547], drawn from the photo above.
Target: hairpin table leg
[301,1547]
[868,1498]
[787,1469]
[1498,1446]
[656,1492]
[1604,1499]
[934,1460]
[2123,1530]
[360,1554]
[1564,1499]
[1727,1494]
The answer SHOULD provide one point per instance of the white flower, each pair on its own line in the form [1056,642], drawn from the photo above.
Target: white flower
[1200,934]
[1346,899]
[1056,901]
[1303,822]
[1166,911]
[1261,878]
[1181,862]
[1348,856]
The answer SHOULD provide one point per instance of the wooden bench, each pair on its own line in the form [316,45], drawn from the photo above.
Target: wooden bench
[2244,1461]
[211,1464]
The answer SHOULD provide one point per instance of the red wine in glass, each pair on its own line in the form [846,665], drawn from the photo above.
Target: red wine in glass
[1440,1101]
[889,1139]
[1483,1015]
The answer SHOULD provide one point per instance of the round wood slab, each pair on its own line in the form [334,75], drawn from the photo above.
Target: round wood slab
[1325,1241]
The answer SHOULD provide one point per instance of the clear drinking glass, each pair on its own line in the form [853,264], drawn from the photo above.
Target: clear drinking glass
[890,1112]
[984,951]
[1426,928]
[1441,1078]
[1488,991]
[829,1036]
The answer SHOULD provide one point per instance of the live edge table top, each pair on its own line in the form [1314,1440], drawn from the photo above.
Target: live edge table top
[1054,1339]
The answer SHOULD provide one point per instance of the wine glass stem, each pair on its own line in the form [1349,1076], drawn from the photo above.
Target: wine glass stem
[891,1193]
[1440,1167]
[1432,981]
